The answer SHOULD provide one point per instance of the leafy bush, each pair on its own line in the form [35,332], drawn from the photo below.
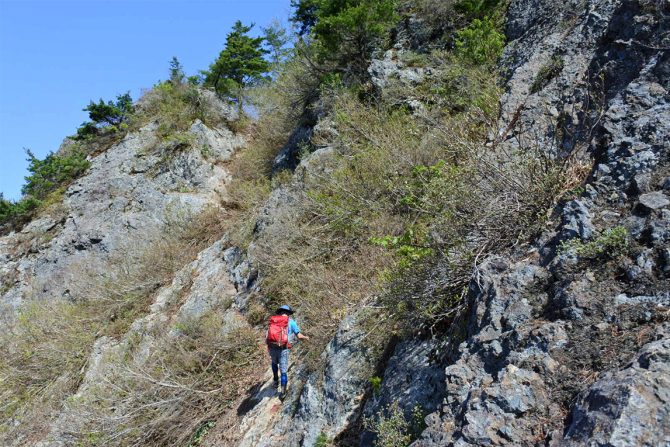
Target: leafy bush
[481,42]
[613,243]
[392,429]
[15,214]
[477,8]
[201,432]
[321,440]
[376,383]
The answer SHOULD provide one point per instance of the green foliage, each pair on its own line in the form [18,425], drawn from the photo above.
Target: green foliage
[481,42]
[546,73]
[276,40]
[393,429]
[376,384]
[17,213]
[477,8]
[176,72]
[613,243]
[47,178]
[409,247]
[305,14]
[239,65]
[200,433]
[53,172]
[321,440]
[346,32]
[109,116]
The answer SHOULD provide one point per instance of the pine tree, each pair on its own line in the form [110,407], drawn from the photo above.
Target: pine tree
[176,72]
[111,113]
[345,31]
[276,39]
[240,64]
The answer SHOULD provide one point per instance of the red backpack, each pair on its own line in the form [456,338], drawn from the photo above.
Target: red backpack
[277,334]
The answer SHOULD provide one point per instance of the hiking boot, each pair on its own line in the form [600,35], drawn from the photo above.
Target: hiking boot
[282,392]
[275,384]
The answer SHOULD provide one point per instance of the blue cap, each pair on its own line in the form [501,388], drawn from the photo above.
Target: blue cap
[286,308]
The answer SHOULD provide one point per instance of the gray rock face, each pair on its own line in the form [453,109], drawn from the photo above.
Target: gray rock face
[126,195]
[321,404]
[534,325]
[392,67]
[654,200]
[414,378]
[630,406]
[576,221]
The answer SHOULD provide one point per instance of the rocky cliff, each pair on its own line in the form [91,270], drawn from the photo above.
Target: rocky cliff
[564,340]
[560,347]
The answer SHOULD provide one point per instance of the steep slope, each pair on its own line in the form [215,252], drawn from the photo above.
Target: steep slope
[125,198]
[561,340]
[104,253]
[564,342]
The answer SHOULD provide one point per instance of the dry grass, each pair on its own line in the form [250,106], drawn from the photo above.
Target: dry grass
[47,346]
[175,107]
[187,379]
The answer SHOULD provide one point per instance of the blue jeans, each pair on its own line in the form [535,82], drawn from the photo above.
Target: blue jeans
[279,357]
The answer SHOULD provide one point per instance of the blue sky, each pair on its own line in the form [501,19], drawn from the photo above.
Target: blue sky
[55,56]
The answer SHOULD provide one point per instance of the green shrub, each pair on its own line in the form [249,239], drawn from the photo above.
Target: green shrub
[481,42]
[53,172]
[15,214]
[613,243]
[200,433]
[321,440]
[376,384]
[45,184]
[477,8]
[392,429]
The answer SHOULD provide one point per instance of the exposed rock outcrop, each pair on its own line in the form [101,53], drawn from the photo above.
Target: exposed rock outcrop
[125,198]
[562,342]
[558,349]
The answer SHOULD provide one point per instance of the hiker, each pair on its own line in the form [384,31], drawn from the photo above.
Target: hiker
[279,337]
